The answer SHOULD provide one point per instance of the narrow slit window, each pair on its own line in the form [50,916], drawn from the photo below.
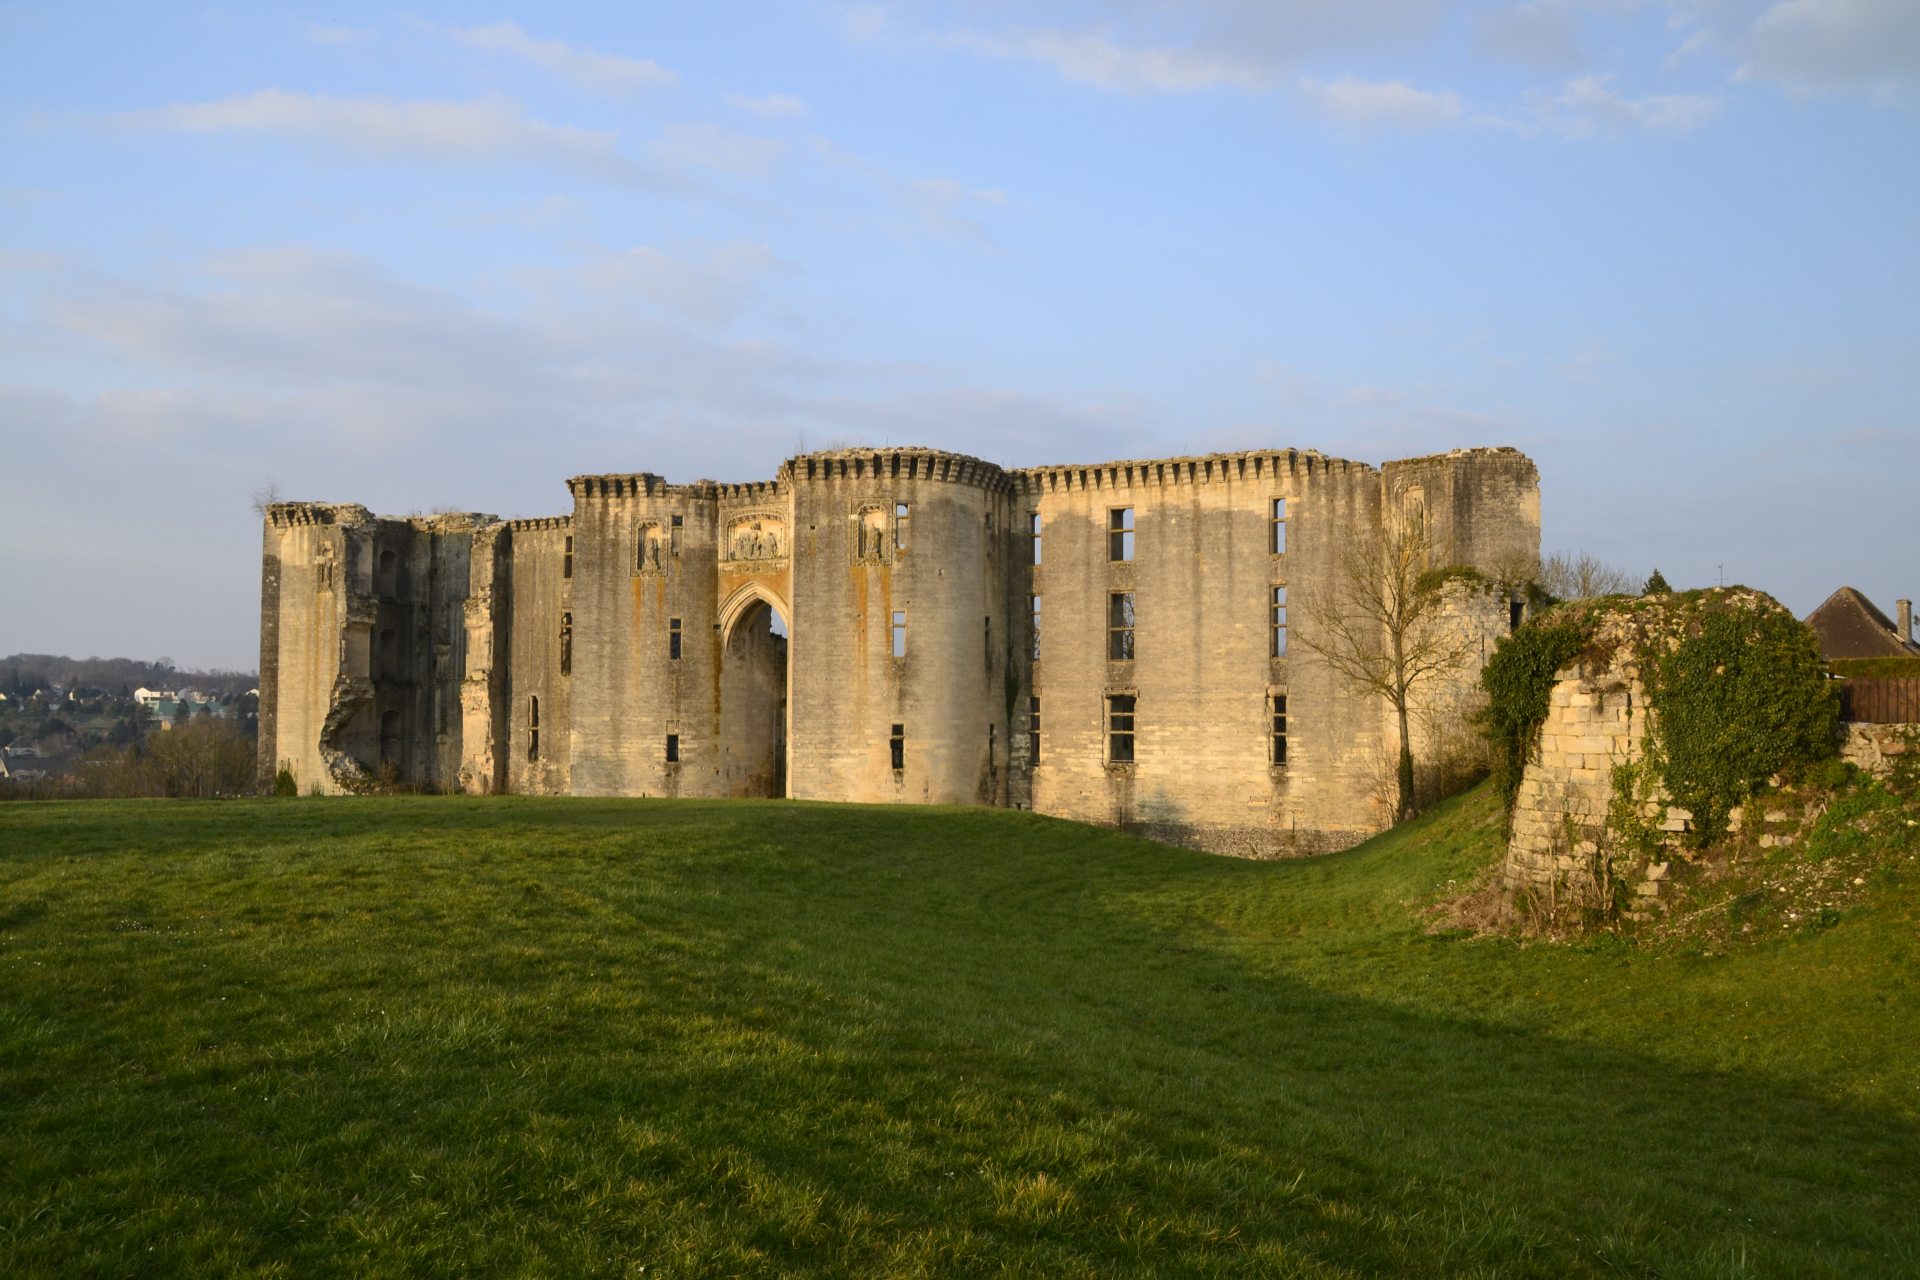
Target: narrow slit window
[1120,728]
[1034,603]
[566,559]
[899,633]
[1277,621]
[673,638]
[1033,731]
[1120,626]
[1277,707]
[533,728]
[1120,533]
[900,514]
[1033,532]
[897,747]
[673,748]
[566,644]
[987,626]
[1278,541]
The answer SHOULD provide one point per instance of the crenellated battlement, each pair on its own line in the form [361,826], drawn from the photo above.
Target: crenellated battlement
[1211,468]
[897,464]
[285,515]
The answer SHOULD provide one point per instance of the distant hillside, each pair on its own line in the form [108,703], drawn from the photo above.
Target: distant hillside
[22,673]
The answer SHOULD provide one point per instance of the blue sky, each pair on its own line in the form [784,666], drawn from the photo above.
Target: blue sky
[446,257]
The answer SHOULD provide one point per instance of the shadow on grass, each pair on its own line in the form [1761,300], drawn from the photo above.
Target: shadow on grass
[590,1036]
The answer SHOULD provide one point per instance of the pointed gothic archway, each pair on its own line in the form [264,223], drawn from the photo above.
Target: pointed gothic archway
[753,692]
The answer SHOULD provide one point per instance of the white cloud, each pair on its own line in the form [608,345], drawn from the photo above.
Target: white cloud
[321,33]
[1539,33]
[1094,59]
[1827,45]
[486,129]
[599,72]
[773,104]
[1366,104]
[712,146]
[1590,107]
[709,287]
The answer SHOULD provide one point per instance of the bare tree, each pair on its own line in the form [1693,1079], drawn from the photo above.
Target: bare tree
[1565,575]
[1382,623]
[265,496]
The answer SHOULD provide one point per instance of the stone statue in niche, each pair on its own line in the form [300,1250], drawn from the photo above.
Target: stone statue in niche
[871,535]
[323,568]
[653,550]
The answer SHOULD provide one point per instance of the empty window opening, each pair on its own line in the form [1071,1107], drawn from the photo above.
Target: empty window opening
[533,728]
[566,644]
[900,513]
[673,748]
[1277,622]
[673,638]
[899,633]
[566,559]
[388,575]
[1033,603]
[1277,707]
[674,525]
[1033,731]
[1120,728]
[1516,612]
[1120,533]
[1033,532]
[388,662]
[988,624]
[993,735]
[897,747]
[1277,541]
[1120,626]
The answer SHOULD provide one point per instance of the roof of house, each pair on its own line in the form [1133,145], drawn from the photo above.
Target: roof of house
[1849,626]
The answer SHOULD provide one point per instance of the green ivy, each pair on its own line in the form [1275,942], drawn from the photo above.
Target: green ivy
[1739,693]
[1875,668]
[1519,684]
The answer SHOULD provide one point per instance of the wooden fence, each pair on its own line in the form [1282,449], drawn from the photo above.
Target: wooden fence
[1881,700]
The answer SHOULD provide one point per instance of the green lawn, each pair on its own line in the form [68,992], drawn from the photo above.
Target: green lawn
[572,1037]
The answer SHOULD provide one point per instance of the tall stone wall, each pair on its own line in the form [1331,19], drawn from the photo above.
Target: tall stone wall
[718,640]
[913,537]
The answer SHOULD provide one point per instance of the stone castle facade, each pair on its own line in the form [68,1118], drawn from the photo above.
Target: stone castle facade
[1107,643]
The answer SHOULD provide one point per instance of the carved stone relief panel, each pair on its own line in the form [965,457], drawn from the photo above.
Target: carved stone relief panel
[757,536]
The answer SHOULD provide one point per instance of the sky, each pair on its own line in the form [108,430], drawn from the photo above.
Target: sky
[444,257]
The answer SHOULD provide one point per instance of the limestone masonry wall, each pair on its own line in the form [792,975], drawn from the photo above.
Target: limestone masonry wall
[862,627]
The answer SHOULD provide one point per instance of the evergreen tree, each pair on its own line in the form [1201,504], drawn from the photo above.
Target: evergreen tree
[1656,585]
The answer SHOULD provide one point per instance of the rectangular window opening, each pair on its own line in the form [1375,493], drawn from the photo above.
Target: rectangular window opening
[673,748]
[1033,731]
[988,626]
[533,728]
[1120,626]
[1033,531]
[1516,614]
[1278,543]
[897,746]
[1277,620]
[899,633]
[1120,533]
[1034,608]
[1277,707]
[1120,728]
[900,513]
[566,559]
[673,638]
[566,644]
[674,526]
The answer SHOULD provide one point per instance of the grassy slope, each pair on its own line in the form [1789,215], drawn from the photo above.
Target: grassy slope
[588,1037]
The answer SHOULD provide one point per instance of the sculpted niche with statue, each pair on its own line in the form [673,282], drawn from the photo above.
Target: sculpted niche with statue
[756,537]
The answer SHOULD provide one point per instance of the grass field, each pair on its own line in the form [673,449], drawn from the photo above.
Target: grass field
[574,1037]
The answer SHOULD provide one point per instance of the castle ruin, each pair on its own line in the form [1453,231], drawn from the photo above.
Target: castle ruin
[1105,643]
